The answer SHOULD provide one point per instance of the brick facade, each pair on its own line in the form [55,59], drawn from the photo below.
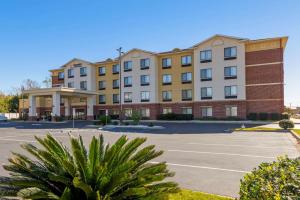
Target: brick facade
[264,56]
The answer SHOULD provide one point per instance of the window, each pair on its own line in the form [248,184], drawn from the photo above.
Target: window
[186,77]
[83,71]
[230,53]
[186,95]
[116,69]
[230,72]
[206,93]
[128,81]
[116,84]
[230,92]
[145,96]
[83,85]
[187,111]
[102,99]
[145,63]
[186,61]
[206,74]
[145,112]
[167,110]
[71,85]
[166,62]
[70,73]
[102,85]
[145,80]
[231,111]
[206,111]
[127,97]
[167,79]
[128,112]
[116,98]
[167,96]
[77,65]
[61,75]
[205,56]
[101,71]
[127,66]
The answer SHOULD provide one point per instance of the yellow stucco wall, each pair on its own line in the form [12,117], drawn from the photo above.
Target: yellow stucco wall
[175,71]
[259,45]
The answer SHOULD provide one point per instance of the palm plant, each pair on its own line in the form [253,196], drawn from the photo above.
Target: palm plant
[104,172]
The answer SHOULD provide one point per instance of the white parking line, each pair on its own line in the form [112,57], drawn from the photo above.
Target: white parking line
[226,154]
[233,145]
[204,167]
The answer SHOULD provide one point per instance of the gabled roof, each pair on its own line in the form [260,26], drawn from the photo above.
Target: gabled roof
[136,49]
[219,35]
[76,59]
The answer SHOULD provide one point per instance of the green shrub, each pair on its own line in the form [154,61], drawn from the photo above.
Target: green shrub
[263,116]
[136,117]
[279,180]
[173,116]
[275,116]
[126,123]
[103,120]
[285,124]
[151,124]
[285,115]
[252,116]
[118,171]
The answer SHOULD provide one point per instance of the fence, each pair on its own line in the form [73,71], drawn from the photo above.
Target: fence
[10,115]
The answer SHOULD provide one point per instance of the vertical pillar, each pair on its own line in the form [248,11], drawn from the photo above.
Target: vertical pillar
[67,107]
[32,108]
[55,105]
[91,101]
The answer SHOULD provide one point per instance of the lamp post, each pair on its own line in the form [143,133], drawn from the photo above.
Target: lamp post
[120,84]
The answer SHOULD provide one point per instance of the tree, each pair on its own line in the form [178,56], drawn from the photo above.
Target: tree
[47,82]
[119,171]
[29,84]
[3,103]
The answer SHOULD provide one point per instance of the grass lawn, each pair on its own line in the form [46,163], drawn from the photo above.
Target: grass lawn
[297,131]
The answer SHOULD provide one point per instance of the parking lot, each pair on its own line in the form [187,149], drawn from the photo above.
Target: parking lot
[205,159]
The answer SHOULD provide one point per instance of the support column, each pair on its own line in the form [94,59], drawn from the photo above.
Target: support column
[67,107]
[91,101]
[32,108]
[55,105]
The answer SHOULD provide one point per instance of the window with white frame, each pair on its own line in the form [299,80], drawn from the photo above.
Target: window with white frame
[128,112]
[206,93]
[205,56]
[145,63]
[127,96]
[187,111]
[116,69]
[167,110]
[145,112]
[101,71]
[206,111]
[102,99]
[167,79]
[102,85]
[116,84]
[167,95]
[83,85]
[145,96]
[186,95]
[83,71]
[231,111]
[145,80]
[231,92]
[70,73]
[127,66]
[230,72]
[186,61]
[206,74]
[166,62]
[128,81]
[230,53]
[186,77]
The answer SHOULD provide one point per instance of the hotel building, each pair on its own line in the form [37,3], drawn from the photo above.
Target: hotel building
[220,77]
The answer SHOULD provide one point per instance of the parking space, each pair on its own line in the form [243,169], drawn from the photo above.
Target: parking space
[212,163]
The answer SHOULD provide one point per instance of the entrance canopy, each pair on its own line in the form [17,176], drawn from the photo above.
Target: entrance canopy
[57,93]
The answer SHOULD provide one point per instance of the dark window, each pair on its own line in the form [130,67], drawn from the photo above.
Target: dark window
[127,97]
[145,80]
[206,93]
[128,81]
[102,85]
[230,53]
[127,66]
[145,63]
[116,98]
[83,71]
[186,77]
[101,71]
[206,74]
[231,92]
[167,96]
[116,84]
[145,96]
[116,69]
[186,95]
[167,79]
[166,62]
[102,99]
[70,73]
[205,56]
[230,72]
[83,85]
[186,61]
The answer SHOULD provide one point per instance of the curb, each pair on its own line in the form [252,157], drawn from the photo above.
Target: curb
[295,135]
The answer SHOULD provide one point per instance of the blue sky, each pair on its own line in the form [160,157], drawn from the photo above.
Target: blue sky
[36,35]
